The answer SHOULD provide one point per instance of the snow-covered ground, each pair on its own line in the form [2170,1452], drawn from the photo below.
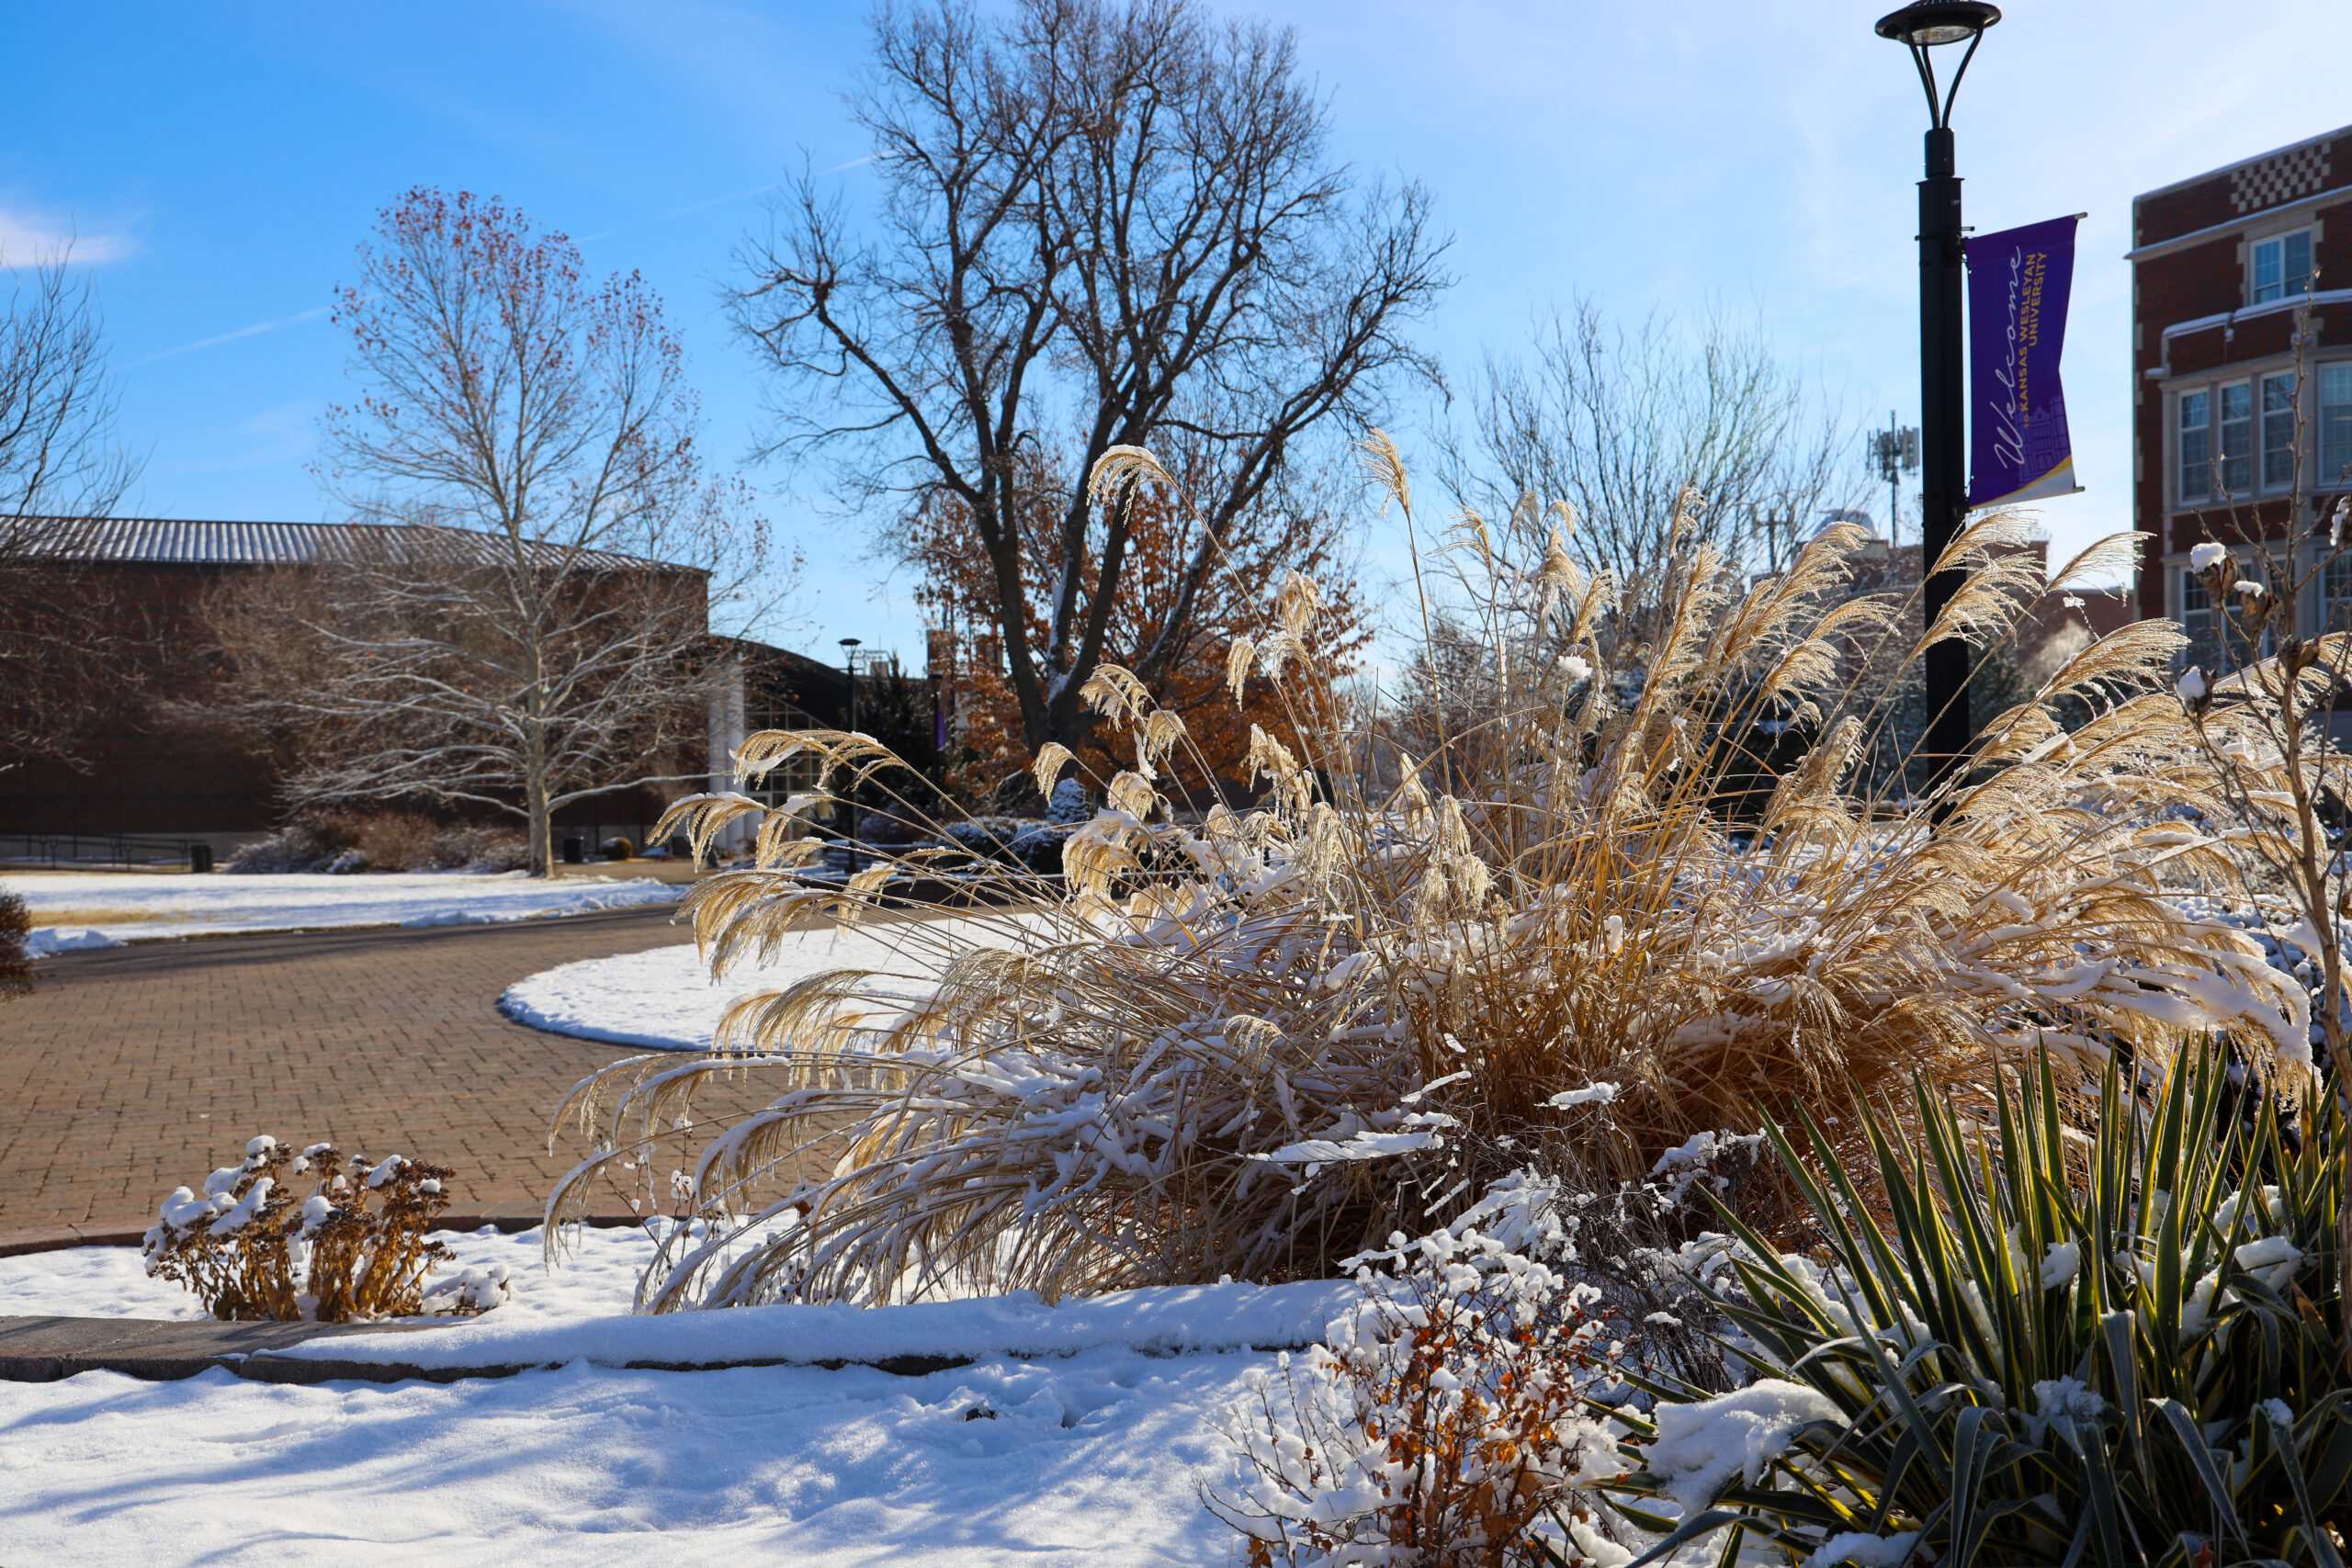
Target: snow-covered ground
[664,999]
[93,911]
[1091,1457]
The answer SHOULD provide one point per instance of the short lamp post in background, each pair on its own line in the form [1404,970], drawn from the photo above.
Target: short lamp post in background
[1923,30]
[849,806]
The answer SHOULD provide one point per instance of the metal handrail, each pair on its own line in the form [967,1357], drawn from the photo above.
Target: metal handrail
[100,850]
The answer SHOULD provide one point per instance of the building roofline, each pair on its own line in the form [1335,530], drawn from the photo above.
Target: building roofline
[176,541]
[2302,206]
[2340,131]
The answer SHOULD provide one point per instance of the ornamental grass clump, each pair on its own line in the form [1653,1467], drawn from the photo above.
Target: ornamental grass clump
[2025,1344]
[1637,873]
[355,1248]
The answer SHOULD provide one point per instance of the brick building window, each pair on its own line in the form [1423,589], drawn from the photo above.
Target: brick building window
[2197,620]
[2282,266]
[2335,592]
[2237,438]
[2277,431]
[2335,425]
[2196,421]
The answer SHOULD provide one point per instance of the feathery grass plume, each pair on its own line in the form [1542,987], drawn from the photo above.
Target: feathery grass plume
[1250,1044]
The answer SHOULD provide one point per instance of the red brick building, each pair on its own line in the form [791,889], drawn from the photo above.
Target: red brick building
[2242,432]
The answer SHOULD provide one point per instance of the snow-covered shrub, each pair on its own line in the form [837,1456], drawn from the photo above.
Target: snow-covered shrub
[1255,1043]
[303,845]
[336,844]
[1022,842]
[16,945]
[1069,806]
[1446,1420]
[2032,1346]
[354,1248]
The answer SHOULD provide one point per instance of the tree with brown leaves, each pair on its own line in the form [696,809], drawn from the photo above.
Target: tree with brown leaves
[1294,528]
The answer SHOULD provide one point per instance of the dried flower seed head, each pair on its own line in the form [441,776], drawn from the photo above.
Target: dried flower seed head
[1116,693]
[1052,758]
[1385,467]
[1298,603]
[1239,658]
[1122,466]
[1132,793]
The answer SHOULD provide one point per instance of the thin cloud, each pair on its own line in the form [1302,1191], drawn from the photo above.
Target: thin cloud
[27,238]
[255,330]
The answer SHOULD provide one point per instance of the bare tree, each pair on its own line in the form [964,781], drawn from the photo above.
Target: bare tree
[59,459]
[1622,423]
[1106,219]
[528,624]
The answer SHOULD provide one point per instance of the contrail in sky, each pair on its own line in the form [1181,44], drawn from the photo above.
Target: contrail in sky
[255,330]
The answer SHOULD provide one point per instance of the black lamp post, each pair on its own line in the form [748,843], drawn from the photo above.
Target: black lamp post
[1943,418]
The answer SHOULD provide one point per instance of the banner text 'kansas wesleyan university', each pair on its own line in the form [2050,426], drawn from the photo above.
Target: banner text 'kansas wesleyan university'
[2017,282]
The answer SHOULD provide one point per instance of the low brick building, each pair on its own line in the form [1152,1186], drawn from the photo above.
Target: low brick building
[151,766]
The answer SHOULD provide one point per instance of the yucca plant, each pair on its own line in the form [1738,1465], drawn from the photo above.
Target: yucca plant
[2019,1343]
[1254,1043]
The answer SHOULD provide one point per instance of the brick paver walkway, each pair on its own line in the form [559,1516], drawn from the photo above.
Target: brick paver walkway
[132,1070]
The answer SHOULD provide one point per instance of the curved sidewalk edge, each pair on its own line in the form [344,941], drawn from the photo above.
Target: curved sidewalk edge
[910,1340]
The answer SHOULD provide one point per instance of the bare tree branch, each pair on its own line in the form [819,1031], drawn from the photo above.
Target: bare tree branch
[1105,219]
[59,459]
[528,624]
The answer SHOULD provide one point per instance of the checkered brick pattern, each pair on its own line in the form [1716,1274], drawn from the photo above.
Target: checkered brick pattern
[2272,181]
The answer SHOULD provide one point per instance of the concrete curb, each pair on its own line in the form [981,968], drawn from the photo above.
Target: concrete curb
[50,1349]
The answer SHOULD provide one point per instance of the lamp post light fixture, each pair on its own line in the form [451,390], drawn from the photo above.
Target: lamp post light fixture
[1944,499]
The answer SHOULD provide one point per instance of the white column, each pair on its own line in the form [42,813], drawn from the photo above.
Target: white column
[726,737]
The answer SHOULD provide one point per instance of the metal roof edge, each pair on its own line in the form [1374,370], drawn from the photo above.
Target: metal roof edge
[128,541]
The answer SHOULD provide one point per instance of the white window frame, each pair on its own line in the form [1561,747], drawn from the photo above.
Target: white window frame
[2269,422]
[2334,391]
[2286,285]
[2197,618]
[2335,591]
[2226,488]
[2199,487]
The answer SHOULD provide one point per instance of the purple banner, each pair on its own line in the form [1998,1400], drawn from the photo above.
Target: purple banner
[2018,283]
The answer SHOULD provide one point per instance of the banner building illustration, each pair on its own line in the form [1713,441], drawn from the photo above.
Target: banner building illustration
[2017,284]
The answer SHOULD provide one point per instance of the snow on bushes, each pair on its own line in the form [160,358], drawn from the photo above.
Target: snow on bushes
[354,1248]
[339,844]
[1446,1421]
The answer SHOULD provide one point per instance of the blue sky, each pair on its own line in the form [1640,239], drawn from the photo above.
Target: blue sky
[218,165]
